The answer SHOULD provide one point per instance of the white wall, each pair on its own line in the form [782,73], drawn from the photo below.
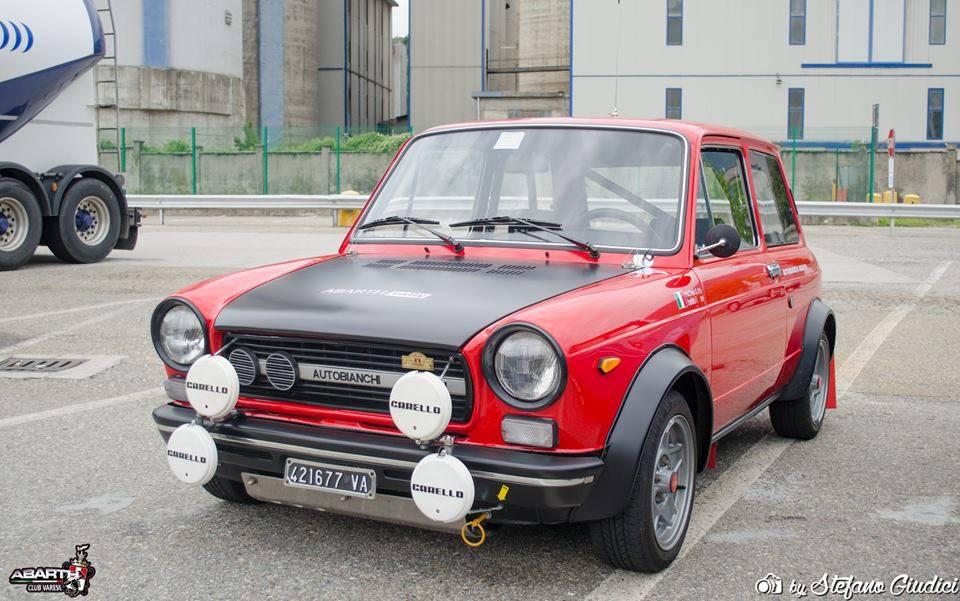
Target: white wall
[732,54]
[200,40]
[445,61]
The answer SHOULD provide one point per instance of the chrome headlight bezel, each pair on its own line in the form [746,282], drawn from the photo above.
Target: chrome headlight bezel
[489,356]
[157,320]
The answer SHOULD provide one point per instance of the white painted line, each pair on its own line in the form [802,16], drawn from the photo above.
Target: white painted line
[708,509]
[730,486]
[74,310]
[27,418]
[50,335]
[859,358]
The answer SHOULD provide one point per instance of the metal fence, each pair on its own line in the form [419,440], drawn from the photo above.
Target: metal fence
[822,164]
[247,160]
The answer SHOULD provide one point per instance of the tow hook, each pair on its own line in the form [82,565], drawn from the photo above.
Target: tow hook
[473,533]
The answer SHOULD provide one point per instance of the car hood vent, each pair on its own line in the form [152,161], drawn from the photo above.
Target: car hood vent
[451,265]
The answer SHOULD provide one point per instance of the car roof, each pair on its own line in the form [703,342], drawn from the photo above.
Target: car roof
[691,130]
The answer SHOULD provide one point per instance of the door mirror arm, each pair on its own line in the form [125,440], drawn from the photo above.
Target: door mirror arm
[722,240]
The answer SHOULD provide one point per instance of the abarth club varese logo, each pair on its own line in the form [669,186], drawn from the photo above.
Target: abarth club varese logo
[72,577]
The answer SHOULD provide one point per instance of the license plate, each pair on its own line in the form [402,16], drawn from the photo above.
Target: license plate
[331,478]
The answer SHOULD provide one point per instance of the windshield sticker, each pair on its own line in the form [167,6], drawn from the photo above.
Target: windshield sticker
[509,140]
[688,298]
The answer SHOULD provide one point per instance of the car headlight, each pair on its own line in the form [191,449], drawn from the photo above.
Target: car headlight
[178,334]
[524,366]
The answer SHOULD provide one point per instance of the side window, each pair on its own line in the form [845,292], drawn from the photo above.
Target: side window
[779,226]
[722,196]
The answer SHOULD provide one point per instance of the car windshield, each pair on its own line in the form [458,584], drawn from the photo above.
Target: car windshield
[611,188]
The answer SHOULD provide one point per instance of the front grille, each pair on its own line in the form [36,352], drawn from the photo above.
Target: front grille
[370,356]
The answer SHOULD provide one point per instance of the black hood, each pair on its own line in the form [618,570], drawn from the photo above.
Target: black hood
[440,302]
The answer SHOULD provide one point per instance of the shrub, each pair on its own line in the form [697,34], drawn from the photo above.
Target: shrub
[175,146]
[250,139]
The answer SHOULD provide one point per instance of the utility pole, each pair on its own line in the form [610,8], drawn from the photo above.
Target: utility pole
[873,146]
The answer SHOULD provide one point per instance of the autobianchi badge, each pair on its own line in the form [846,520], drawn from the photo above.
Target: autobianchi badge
[417,361]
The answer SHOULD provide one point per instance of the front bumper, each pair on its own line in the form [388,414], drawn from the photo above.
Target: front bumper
[543,488]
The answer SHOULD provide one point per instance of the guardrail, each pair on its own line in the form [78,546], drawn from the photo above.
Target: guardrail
[337,202]
[231,202]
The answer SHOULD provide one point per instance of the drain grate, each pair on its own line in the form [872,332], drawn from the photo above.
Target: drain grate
[39,364]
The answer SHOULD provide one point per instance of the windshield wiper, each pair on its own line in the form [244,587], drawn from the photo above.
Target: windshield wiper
[418,223]
[543,226]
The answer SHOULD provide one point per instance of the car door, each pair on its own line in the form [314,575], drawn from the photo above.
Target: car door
[745,300]
[781,233]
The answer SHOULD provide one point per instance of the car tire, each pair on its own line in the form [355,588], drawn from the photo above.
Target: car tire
[632,539]
[88,226]
[21,224]
[229,490]
[802,418]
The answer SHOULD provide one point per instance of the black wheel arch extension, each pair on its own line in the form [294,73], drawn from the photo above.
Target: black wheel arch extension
[820,319]
[666,368]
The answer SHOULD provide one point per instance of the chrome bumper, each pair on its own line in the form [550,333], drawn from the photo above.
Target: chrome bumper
[384,508]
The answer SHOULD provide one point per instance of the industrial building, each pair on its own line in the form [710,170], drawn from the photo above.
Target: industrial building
[178,64]
[814,67]
[308,63]
[483,59]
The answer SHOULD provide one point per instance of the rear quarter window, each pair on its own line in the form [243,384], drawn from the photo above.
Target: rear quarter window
[773,202]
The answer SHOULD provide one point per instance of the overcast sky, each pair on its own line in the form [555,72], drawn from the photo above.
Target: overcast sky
[400,26]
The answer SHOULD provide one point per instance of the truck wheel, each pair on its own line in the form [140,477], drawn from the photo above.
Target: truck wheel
[229,490]
[801,418]
[648,534]
[20,224]
[88,226]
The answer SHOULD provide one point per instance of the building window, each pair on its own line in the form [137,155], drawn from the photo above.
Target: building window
[938,22]
[798,22]
[674,103]
[795,113]
[674,22]
[935,114]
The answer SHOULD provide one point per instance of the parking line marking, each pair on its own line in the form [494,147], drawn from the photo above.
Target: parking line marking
[73,310]
[710,506]
[731,485]
[27,418]
[44,337]
[859,358]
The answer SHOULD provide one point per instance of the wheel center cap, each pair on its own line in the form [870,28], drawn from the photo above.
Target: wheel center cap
[674,482]
[4,225]
[84,221]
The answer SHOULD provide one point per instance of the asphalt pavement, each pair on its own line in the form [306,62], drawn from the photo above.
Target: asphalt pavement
[876,495]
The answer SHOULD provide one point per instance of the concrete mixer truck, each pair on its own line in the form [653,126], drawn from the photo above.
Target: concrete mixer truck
[52,192]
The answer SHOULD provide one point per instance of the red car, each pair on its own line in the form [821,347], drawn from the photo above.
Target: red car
[535,321]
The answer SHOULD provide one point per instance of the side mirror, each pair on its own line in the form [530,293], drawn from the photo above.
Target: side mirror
[722,240]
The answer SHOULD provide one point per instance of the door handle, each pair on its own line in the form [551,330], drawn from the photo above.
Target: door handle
[774,271]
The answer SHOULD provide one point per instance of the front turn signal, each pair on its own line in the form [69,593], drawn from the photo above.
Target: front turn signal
[608,364]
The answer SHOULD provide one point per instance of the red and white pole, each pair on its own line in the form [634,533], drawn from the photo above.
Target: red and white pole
[891,147]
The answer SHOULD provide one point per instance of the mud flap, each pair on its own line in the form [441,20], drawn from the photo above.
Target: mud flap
[832,388]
